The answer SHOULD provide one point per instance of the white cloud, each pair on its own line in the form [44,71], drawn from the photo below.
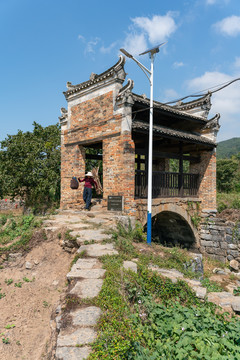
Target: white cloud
[153,30]
[135,43]
[81,37]
[157,29]
[237,62]
[90,47]
[229,26]
[170,94]
[178,64]
[212,2]
[226,101]
[107,50]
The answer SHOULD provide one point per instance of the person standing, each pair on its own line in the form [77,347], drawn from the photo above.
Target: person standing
[87,192]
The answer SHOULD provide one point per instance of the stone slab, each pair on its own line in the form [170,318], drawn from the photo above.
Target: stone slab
[88,288]
[86,317]
[130,265]
[97,250]
[72,353]
[86,274]
[220,298]
[86,264]
[236,303]
[79,337]
[171,274]
[51,229]
[77,226]
[200,291]
[89,235]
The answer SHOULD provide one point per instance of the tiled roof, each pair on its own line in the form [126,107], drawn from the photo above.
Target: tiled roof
[182,135]
[167,108]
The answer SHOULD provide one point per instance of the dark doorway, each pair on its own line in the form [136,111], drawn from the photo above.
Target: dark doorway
[94,160]
[170,229]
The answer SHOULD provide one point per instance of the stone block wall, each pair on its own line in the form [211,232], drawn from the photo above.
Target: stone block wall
[220,239]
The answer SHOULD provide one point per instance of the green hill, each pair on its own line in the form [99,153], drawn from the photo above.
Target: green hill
[227,148]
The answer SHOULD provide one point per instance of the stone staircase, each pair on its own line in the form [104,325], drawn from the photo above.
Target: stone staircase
[86,275]
[76,330]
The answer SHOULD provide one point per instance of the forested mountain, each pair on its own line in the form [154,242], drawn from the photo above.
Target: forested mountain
[227,148]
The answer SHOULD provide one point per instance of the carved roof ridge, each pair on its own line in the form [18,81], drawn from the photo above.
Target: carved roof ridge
[169,108]
[128,87]
[205,99]
[95,78]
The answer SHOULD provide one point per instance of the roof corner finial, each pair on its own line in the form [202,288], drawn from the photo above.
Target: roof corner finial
[93,76]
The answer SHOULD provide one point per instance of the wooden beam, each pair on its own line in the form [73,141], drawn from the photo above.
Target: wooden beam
[168,155]
[94,156]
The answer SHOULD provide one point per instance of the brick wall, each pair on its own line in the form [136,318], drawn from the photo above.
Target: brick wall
[207,170]
[94,121]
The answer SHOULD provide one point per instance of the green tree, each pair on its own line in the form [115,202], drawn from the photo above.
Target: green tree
[228,175]
[30,166]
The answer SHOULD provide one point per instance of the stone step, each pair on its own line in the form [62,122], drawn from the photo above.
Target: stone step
[89,235]
[86,274]
[72,353]
[86,264]
[87,288]
[51,229]
[86,317]
[97,250]
[81,336]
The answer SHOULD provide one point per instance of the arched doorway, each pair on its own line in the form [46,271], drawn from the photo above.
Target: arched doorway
[171,229]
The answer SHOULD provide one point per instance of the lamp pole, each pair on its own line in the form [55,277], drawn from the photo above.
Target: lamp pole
[149,74]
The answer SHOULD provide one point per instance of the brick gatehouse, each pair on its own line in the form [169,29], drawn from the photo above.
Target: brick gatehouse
[106,115]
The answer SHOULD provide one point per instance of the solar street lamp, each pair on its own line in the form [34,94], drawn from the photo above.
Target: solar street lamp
[149,73]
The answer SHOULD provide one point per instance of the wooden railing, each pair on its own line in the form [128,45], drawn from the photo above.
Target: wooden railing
[166,184]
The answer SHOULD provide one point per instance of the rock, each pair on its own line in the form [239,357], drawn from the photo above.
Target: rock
[58,309]
[219,271]
[97,250]
[80,336]
[88,288]
[72,353]
[15,255]
[232,246]
[4,257]
[55,283]
[234,265]
[58,322]
[36,262]
[86,317]
[130,265]
[195,265]
[236,304]
[86,273]
[200,291]
[172,274]
[28,265]
[223,298]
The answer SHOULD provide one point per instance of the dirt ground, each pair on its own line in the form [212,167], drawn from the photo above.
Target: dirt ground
[26,308]
[230,215]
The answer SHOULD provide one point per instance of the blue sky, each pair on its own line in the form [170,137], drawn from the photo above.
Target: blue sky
[44,44]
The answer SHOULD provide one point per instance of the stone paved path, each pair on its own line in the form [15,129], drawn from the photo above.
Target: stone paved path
[73,341]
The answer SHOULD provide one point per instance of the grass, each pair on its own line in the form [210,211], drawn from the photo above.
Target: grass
[228,201]
[16,231]
[146,316]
